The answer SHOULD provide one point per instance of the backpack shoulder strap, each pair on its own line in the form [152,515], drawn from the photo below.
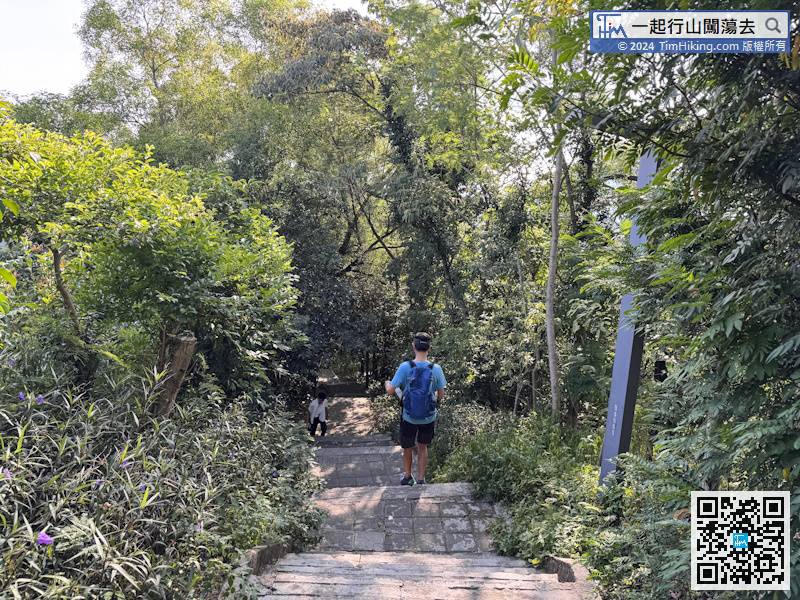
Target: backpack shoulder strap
[413,364]
[430,366]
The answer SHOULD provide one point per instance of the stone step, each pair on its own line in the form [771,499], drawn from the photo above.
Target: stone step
[358,466]
[317,591]
[412,574]
[431,518]
[558,591]
[354,441]
[380,467]
[439,492]
[333,454]
[404,559]
[346,389]
[396,576]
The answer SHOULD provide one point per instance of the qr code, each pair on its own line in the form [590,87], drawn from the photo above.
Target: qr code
[740,540]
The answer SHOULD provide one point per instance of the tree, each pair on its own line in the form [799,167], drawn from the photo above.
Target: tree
[178,75]
[129,248]
[552,267]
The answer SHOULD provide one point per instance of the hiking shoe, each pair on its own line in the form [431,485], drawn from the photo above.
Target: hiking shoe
[407,480]
[421,482]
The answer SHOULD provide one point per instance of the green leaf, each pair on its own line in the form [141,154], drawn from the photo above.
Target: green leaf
[677,242]
[8,276]
[786,347]
[468,20]
[145,496]
[11,205]
[21,438]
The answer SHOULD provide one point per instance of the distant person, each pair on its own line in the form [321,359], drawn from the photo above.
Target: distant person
[318,415]
[422,384]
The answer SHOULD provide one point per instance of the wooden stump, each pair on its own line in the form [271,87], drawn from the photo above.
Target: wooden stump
[183,347]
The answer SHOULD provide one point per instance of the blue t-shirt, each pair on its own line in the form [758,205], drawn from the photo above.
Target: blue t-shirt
[401,377]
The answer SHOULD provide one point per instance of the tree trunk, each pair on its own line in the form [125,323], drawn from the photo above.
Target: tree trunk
[524,295]
[163,348]
[66,297]
[588,191]
[550,318]
[85,358]
[518,393]
[573,215]
[183,350]
[534,373]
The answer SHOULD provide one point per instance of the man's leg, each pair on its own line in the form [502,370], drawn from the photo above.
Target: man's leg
[323,427]
[408,438]
[424,438]
[313,429]
[408,456]
[422,460]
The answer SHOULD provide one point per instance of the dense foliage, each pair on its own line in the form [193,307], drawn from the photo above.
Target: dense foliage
[132,254]
[113,258]
[100,499]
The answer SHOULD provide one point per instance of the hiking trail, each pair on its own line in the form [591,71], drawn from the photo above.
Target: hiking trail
[383,541]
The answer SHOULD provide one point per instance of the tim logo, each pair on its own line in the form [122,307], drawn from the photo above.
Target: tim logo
[610,26]
[739,541]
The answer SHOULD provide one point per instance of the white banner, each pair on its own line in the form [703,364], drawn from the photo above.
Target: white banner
[720,25]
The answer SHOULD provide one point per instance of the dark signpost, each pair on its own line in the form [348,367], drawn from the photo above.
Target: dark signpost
[627,357]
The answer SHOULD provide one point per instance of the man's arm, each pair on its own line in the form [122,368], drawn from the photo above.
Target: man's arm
[391,386]
[441,383]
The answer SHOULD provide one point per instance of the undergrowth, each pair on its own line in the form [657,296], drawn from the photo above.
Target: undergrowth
[100,499]
[632,534]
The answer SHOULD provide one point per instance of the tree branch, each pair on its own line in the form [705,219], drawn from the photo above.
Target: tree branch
[69,305]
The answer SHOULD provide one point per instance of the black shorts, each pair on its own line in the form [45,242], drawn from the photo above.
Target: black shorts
[411,434]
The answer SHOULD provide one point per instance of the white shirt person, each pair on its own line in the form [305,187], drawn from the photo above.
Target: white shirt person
[318,415]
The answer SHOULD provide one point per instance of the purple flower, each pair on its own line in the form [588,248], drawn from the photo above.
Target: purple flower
[126,463]
[142,487]
[98,483]
[12,363]
[39,399]
[44,539]
[275,473]
[7,473]
[21,396]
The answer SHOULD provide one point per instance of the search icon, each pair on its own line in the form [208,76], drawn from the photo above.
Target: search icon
[772,25]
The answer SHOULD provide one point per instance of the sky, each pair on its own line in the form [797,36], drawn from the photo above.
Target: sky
[40,49]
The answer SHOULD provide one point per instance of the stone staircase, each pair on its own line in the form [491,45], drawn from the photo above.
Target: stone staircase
[412,575]
[425,518]
[351,441]
[382,541]
[347,462]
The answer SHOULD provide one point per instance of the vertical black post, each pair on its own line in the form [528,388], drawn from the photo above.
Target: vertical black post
[627,357]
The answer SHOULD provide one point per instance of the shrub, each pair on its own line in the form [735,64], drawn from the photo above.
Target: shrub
[459,424]
[385,410]
[115,255]
[633,534]
[99,499]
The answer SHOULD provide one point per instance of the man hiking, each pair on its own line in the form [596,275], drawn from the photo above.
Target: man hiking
[422,384]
